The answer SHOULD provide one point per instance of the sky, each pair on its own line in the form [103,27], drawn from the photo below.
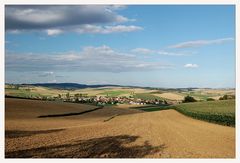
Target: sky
[163,46]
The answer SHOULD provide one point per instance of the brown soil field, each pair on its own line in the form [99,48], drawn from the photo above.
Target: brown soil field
[112,132]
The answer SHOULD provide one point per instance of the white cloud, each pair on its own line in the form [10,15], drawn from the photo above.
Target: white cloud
[95,59]
[46,74]
[190,65]
[171,53]
[52,32]
[198,43]
[161,52]
[143,51]
[106,29]
[67,57]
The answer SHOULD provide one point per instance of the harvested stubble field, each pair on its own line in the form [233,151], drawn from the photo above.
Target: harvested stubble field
[116,132]
[170,96]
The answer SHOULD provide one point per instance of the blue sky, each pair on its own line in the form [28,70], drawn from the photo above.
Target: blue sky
[144,45]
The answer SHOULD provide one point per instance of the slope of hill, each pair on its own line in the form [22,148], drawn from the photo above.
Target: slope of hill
[70,86]
[113,132]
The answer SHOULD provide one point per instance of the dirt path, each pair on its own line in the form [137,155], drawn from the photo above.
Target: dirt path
[162,134]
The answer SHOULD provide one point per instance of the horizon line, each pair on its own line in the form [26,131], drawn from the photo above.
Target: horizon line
[125,85]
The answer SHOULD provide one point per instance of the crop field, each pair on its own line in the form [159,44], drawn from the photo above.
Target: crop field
[22,93]
[123,131]
[115,93]
[171,96]
[199,94]
[221,112]
[203,94]
[146,96]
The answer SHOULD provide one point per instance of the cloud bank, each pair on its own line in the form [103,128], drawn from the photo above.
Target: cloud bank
[92,59]
[57,19]
[160,52]
[198,43]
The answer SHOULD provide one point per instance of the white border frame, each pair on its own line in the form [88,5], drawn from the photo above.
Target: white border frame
[129,2]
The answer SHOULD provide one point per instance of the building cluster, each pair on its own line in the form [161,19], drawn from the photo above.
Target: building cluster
[102,100]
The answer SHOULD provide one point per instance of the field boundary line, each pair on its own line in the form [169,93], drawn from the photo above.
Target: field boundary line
[69,114]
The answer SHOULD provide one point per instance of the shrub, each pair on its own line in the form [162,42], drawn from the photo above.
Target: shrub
[210,99]
[189,99]
[165,102]
[226,97]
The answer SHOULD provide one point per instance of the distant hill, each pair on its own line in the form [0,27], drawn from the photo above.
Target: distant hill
[69,86]
[72,86]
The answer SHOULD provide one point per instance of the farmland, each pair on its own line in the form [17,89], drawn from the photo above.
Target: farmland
[166,94]
[56,126]
[146,96]
[145,93]
[221,112]
[114,93]
[113,131]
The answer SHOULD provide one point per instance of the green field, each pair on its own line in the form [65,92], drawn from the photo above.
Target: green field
[220,112]
[198,95]
[152,108]
[22,93]
[114,93]
[146,96]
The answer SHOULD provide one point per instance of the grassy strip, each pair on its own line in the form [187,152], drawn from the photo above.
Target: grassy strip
[156,108]
[143,107]
[69,114]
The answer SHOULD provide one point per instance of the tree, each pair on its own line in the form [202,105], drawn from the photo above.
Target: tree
[165,102]
[188,99]
[17,86]
[77,97]
[210,99]
[226,97]
[68,95]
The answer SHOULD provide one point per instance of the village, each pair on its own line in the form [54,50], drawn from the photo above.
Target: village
[107,100]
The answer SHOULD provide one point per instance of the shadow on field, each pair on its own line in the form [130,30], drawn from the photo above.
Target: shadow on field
[139,107]
[18,133]
[105,147]
[151,108]
[70,114]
